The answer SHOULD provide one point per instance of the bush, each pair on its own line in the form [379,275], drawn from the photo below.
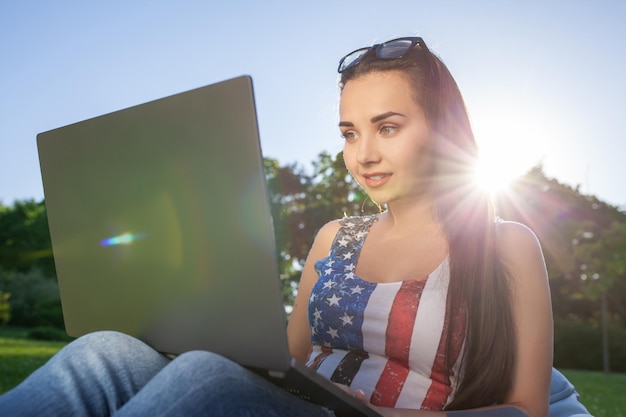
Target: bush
[578,345]
[5,308]
[34,299]
[48,334]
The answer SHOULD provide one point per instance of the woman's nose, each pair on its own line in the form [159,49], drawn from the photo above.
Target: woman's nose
[367,152]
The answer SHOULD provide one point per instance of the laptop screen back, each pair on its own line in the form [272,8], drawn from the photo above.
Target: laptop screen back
[161,227]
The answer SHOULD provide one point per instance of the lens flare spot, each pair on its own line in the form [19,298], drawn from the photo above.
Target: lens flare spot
[123,239]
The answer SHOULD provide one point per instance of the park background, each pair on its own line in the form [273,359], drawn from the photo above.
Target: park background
[543,82]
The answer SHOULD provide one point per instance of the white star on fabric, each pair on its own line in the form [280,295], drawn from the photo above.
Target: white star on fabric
[360,234]
[348,255]
[357,290]
[349,267]
[334,300]
[349,225]
[350,275]
[346,319]
[327,271]
[333,332]
[343,242]
[329,284]
[330,262]
[317,314]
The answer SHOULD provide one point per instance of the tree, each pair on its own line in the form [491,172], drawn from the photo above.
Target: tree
[5,308]
[286,188]
[603,269]
[580,235]
[302,203]
[583,240]
[25,238]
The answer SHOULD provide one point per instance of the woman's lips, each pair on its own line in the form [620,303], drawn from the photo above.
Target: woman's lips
[376,179]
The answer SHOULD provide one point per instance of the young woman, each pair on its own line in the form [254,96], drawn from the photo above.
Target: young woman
[428,307]
[453,307]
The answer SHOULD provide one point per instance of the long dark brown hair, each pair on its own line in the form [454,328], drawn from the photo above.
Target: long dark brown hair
[479,284]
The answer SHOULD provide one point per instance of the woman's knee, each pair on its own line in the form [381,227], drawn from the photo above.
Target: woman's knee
[206,363]
[111,344]
[230,389]
[105,340]
[211,372]
[110,353]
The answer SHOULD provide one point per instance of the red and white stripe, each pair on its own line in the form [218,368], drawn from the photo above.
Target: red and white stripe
[404,331]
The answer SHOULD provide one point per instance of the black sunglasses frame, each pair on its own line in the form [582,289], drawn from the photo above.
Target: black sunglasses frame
[380,48]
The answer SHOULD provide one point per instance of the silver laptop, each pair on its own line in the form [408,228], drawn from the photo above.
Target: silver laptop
[161,229]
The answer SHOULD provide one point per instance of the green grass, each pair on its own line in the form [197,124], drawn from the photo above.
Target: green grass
[603,395]
[19,356]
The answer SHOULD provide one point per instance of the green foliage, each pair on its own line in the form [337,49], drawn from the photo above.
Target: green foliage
[34,298]
[49,334]
[5,308]
[25,238]
[578,345]
[302,203]
[583,240]
[602,258]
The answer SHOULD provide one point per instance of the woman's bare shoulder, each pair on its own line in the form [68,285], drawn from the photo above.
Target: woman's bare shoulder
[330,228]
[513,236]
[323,240]
[327,233]
[519,249]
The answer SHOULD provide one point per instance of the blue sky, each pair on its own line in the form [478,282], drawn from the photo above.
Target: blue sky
[543,80]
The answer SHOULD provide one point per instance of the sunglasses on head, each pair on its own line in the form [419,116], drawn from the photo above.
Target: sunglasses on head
[393,49]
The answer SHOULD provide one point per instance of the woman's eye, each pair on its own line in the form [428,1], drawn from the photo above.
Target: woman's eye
[387,130]
[349,135]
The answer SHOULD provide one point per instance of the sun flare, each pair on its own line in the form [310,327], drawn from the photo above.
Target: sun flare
[506,153]
[493,176]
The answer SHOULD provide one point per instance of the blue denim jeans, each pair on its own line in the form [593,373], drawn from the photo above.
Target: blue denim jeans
[108,373]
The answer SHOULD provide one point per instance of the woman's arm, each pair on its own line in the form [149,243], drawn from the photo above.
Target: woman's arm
[532,314]
[298,329]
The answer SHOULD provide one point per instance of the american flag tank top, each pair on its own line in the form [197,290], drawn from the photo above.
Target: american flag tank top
[399,342]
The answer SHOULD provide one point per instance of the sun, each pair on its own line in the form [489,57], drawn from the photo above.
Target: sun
[492,176]
[509,145]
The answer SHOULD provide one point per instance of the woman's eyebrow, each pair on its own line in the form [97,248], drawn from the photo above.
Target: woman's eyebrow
[374,119]
[384,116]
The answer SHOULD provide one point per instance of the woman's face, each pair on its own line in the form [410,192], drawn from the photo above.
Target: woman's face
[387,137]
